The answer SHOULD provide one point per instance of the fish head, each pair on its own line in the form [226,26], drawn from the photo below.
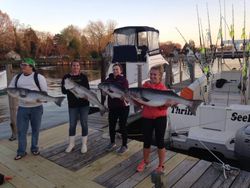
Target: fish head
[13,91]
[103,86]
[68,83]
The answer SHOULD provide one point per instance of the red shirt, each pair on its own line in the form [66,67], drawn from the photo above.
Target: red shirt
[154,112]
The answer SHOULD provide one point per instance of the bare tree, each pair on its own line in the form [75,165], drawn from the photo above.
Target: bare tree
[7,39]
[99,34]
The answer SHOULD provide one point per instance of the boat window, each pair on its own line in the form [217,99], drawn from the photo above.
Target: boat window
[142,39]
[153,40]
[128,37]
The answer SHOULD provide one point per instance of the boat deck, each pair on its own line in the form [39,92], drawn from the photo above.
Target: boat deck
[99,168]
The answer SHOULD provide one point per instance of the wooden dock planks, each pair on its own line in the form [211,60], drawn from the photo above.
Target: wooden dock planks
[99,168]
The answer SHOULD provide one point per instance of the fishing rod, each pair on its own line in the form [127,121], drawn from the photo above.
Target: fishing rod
[205,69]
[190,49]
[231,31]
[198,20]
[181,35]
[209,28]
[203,40]
[245,64]
[221,36]
[225,32]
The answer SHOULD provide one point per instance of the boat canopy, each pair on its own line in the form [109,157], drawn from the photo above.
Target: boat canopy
[131,41]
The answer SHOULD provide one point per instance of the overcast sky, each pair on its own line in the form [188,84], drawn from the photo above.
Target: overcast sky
[164,15]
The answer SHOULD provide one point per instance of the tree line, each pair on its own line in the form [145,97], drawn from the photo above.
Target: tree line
[71,43]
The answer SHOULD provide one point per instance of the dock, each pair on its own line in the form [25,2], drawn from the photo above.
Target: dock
[100,168]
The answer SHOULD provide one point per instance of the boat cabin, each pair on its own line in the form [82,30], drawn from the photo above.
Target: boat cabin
[133,46]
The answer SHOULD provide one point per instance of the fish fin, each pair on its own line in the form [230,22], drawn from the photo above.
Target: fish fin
[171,92]
[39,101]
[103,109]
[194,106]
[44,92]
[59,100]
[22,93]
[110,91]
[145,99]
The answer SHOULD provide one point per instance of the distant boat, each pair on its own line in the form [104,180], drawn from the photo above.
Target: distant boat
[3,82]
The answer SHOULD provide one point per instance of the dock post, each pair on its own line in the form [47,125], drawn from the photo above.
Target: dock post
[139,78]
[159,180]
[180,71]
[103,75]
[168,74]
[13,103]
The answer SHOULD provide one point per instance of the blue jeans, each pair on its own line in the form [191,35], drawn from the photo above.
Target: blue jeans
[26,115]
[74,113]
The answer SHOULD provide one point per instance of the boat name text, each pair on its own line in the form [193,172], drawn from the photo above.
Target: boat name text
[238,117]
[177,110]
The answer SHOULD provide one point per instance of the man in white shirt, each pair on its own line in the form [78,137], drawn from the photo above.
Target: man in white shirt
[28,112]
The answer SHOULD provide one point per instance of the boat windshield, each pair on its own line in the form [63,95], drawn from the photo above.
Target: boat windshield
[148,39]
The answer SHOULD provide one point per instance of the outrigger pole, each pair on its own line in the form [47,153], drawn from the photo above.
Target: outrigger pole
[232,34]
[209,28]
[221,37]
[245,70]
[204,68]
[190,48]
[198,19]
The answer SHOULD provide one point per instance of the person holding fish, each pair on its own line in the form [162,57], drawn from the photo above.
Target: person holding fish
[28,111]
[154,120]
[78,106]
[118,109]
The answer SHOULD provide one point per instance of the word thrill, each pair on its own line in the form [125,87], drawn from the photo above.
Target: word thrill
[177,110]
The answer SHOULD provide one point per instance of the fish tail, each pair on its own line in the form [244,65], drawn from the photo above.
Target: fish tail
[194,106]
[103,109]
[59,101]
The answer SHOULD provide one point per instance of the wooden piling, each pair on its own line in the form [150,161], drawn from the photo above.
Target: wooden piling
[168,74]
[180,71]
[159,180]
[13,103]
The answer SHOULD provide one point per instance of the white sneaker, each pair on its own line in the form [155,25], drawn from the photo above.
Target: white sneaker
[84,148]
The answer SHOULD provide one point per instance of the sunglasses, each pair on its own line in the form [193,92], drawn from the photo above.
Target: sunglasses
[24,64]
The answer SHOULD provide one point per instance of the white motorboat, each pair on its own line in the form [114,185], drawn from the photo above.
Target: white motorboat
[137,49]
[221,123]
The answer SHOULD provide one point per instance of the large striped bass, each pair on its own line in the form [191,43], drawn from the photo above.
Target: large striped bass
[111,89]
[157,98]
[33,96]
[82,92]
